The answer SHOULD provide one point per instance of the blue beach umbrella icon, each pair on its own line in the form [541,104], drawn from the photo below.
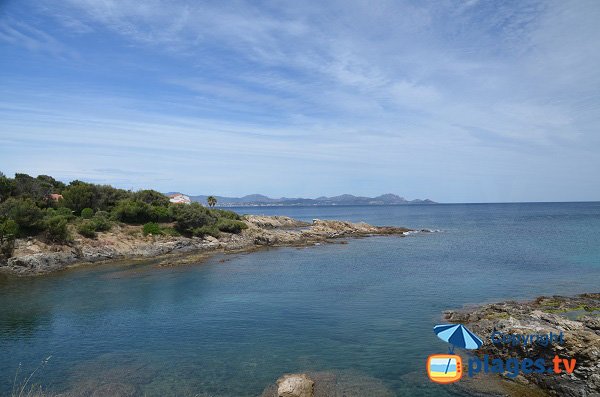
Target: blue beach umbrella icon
[458,336]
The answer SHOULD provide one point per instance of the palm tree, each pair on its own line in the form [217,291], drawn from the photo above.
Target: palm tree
[211,200]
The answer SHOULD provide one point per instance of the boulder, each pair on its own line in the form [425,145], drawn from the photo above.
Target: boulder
[295,385]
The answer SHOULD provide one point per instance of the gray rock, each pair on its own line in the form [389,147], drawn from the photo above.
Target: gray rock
[295,385]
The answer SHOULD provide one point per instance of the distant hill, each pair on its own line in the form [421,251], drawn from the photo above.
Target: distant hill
[344,199]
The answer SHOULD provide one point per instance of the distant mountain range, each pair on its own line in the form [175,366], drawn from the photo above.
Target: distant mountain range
[345,199]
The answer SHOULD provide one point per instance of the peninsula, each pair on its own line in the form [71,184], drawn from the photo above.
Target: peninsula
[46,225]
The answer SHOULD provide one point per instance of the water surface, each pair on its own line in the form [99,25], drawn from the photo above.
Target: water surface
[232,325]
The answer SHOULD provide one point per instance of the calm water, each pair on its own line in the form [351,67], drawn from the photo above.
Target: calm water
[232,325]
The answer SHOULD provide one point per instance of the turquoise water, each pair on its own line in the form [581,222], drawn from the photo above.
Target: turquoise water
[234,324]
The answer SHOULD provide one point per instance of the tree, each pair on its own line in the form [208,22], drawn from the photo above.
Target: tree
[57,186]
[6,187]
[79,195]
[132,211]
[152,197]
[56,229]
[190,217]
[107,196]
[24,212]
[8,234]
[33,188]
[212,201]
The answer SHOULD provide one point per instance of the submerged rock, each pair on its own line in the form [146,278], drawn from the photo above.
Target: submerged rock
[295,385]
[344,383]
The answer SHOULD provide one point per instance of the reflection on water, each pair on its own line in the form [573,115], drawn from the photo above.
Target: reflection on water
[231,328]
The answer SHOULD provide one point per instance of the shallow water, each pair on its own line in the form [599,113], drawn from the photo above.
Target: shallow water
[232,325]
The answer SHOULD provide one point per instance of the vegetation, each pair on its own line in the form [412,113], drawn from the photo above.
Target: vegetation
[87,228]
[8,234]
[231,226]
[52,210]
[211,201]
[152,228]
[87,213]
[56,229]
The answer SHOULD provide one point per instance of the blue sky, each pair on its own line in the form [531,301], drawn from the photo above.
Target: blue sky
[457,101]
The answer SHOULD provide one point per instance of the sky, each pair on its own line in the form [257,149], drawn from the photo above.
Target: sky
[456,101]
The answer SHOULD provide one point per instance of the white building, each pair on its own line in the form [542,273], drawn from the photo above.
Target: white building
[179,199]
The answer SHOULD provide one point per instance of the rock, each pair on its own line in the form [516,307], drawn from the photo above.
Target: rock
[541,316]
[34,257]
[295,385]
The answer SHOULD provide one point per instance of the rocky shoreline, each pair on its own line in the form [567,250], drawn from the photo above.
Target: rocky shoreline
[35,257]
[578,318]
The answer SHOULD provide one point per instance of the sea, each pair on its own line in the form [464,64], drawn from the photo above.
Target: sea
[363,310]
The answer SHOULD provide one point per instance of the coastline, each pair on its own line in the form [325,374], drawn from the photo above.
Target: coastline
[34,257]
[576,317]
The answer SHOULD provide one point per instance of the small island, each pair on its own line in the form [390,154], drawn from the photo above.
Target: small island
[46,226]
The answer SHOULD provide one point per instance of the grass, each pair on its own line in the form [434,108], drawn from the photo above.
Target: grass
[24,388]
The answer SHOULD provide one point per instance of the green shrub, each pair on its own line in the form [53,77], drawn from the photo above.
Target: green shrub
[24,212]
[189,217]
[152,197]
[8,233]
[56,229]
[102,222]
[79,195]
[225,214]
[102,214]
[170,231]
[7,185]
[231,226]
[159,214]
[206,230]
[152,228]
[132,211]
[87,228]
[64,211]
[87,213]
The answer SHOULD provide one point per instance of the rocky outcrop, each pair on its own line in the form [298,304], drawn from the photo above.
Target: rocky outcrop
[295,385]
[576,317]
[33,256]
[346,383]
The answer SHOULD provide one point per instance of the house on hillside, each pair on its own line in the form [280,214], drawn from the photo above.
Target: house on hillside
[55,197]
[179,198]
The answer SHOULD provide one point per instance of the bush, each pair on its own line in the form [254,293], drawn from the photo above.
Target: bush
[107,197]
[64,211]
[56,228]
[37,189]
[152,228]
[152,197]
[231,226]
[87,228]
[225,214]
[159,214]
[102,222]
[132,211]
[189,217]
[7,185]
[170,231]
[8,233]
[87,213]
[79,195]
[206,230]
[24,212]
